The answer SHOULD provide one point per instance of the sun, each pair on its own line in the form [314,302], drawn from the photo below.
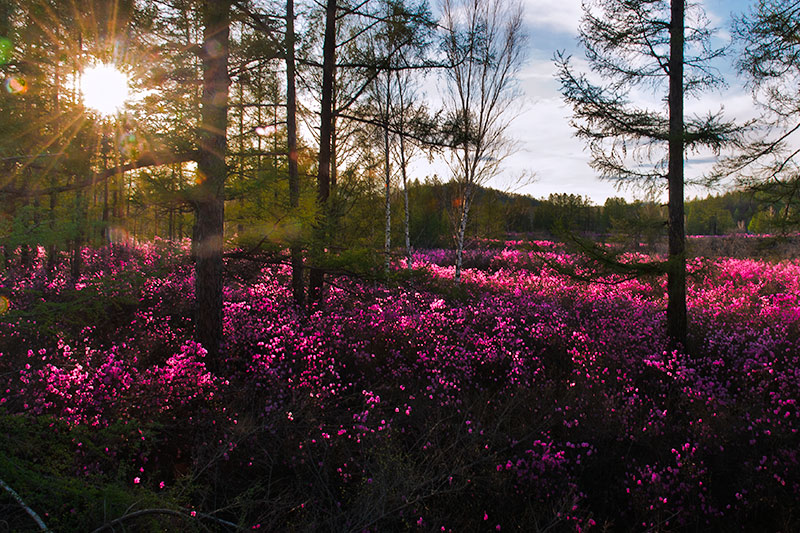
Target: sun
[104,89]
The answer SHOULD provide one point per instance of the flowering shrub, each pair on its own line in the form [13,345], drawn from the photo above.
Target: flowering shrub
[522,399]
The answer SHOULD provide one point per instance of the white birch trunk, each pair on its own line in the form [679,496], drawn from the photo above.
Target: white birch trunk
[24,505]
[462,228]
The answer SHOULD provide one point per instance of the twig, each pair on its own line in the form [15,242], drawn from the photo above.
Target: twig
[170,512]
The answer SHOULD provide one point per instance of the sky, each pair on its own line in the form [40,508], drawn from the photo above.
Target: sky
[547,147]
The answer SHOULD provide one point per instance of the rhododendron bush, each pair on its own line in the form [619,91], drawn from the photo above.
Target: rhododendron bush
[522,399]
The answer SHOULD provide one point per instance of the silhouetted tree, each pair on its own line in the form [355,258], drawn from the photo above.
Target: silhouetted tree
[770,163]
[209,196]
[633,43]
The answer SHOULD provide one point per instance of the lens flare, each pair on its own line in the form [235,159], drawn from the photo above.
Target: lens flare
[130,145]
[118,235]
[213,48]
[104,89]
[16,85]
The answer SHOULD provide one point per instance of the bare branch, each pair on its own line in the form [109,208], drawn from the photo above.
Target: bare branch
[21,503]
[186,515]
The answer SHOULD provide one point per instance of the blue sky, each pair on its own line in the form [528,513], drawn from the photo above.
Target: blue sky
[547,146]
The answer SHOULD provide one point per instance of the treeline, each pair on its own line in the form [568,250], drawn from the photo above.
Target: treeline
[256,212]
[498,214]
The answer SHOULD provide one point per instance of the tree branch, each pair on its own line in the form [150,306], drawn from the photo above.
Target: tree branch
[148,159]
[168,512]
[22,504]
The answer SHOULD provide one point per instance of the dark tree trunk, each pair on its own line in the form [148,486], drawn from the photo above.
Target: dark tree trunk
[52,254]
[209,202]
[403,170]
[53,249]
[298,290]
[387,169]
[76,262]
[676,275]
[105,225]
[317,275]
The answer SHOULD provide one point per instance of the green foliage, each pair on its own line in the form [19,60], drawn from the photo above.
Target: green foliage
[569,211]
[707,220]
[362,262]
[764,221]
[638,223]
[33,225]
[717,215]
[498,214]
[104,301]
[429,224]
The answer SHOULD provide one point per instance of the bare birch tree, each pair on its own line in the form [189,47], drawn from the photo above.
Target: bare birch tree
[399,46]
[484,43]
[409,116]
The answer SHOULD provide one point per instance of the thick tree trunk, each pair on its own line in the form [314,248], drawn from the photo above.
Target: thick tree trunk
[53,248]
[105,225]
[676,275]
[76,262]
[118,178]
[298,290]
[209,202]
[334,149]
[52,255]
[317,276]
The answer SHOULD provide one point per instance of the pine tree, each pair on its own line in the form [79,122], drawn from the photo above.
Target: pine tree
[632,44]
[769,163]
[209,198]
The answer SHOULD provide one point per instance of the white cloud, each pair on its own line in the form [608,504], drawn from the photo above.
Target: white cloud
[549,149]
[562,16]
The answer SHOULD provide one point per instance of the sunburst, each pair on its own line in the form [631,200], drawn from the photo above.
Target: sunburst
[105,89]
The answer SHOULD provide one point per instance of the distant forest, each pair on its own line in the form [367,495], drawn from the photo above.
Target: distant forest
[434,212]
[498,214]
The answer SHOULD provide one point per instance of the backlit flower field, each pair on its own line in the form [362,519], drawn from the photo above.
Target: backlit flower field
[520,400]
